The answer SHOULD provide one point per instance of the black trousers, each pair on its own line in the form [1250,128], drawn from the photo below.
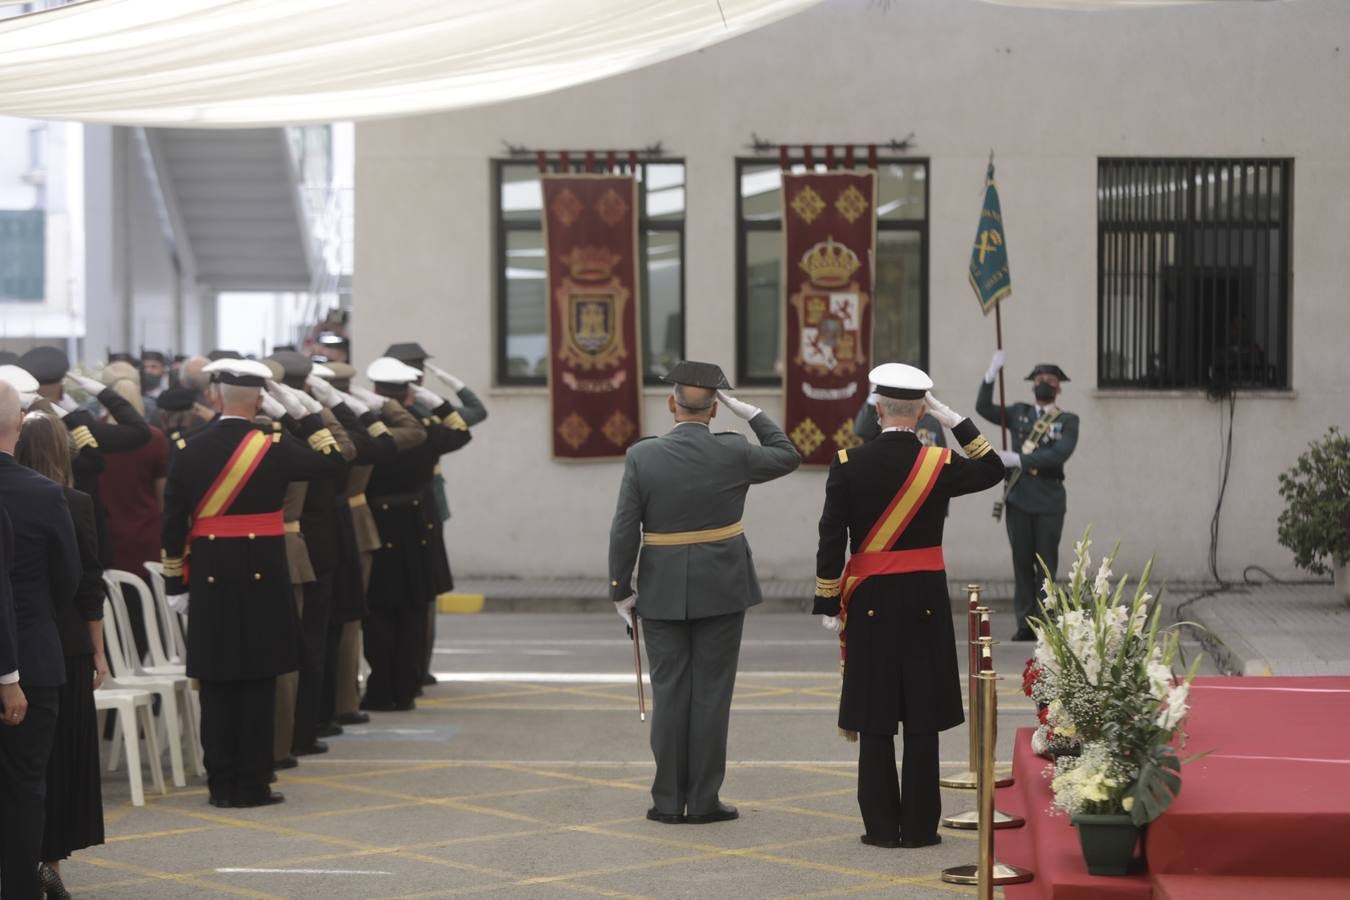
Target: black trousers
[313,658]
[237,737]
[1031,535]
[331,644]
[906,805]
[395,644]
[24,749]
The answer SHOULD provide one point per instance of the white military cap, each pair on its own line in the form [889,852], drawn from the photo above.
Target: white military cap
[322,371]
[20,378]
[387,370]
[243,372]
[900,381]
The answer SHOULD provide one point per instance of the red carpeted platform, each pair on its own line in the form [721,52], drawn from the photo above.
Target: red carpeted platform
[1271,800]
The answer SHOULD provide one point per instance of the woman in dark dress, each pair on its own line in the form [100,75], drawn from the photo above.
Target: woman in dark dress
[74,791]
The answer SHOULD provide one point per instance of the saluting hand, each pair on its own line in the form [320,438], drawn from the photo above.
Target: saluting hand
[739,408]
[287,398]
[91,386]
[357,406]
[451,381]
[941,411]
[324,392]
[271,408]
[428,398]
[367,396]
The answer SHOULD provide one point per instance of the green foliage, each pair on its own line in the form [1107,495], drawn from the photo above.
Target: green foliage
[1315,523]
[1157,786]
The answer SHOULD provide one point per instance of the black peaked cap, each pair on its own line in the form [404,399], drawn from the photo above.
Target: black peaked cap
[1047,369]
[698,374]
[47,364]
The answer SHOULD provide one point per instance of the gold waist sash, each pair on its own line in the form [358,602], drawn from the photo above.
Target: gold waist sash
[356,500]
[681,538]
[293,527]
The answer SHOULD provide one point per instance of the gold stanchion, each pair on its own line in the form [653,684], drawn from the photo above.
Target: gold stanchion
[966,780]
[970,820]
[987,872]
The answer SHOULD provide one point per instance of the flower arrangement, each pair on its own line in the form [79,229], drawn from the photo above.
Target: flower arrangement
[1103,668]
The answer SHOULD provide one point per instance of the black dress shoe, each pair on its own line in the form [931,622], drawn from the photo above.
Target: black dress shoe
[404,707]
[723,812]
[272,798]
[353,718]
[926,842]
[888,843]
[219,802]
[52,886]
[429,680]
[312,750]
[328,729]
[286,762]
[665,818]
[1024,634]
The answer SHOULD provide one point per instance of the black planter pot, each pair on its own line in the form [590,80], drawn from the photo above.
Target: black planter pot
[1108,841]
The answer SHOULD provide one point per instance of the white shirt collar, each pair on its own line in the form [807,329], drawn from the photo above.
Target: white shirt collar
[692,422]
[898,428]
[226,418]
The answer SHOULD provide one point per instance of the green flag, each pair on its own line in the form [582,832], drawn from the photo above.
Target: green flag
[989,257]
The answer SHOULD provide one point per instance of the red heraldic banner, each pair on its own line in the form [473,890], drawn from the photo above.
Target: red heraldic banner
[595,366]
[830,234]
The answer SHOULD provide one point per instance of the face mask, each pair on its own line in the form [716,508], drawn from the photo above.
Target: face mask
[149,382]
[1044,392]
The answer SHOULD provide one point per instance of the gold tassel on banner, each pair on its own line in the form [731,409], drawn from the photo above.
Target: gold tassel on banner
[987,872]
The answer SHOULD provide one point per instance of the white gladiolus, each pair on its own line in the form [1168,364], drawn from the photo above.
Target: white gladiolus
[1102,583]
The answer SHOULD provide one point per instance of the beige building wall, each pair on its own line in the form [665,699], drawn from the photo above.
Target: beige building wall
[1051,91]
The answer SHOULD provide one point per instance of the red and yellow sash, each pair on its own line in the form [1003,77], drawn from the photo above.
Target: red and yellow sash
[208,519]
[873,558]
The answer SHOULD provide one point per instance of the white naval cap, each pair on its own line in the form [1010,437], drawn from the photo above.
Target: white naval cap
[242,372]
[19,378]
[387,370]
[900,381]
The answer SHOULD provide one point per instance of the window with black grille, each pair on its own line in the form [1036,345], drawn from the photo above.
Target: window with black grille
[1193,273]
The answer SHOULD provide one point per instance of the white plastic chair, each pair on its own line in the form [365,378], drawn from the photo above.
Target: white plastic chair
[160,664]
[172,624]
[123,669]
[134,707]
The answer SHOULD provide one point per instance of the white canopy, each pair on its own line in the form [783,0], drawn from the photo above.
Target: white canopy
[208,63]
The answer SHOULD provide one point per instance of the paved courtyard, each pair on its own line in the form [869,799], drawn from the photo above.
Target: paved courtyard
[525,774]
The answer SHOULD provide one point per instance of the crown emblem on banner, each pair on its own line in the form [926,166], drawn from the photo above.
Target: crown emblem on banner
[829,263]
[591,263]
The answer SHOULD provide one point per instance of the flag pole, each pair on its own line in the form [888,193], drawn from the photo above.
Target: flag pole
[1002,409]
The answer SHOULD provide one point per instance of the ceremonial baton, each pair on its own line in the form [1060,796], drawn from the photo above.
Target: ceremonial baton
[637,668]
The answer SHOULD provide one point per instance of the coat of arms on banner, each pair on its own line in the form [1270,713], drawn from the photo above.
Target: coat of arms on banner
[830,311]
[592,303]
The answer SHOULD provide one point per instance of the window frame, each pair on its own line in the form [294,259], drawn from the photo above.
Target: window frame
[503,227]
[1188,229]
[744,227]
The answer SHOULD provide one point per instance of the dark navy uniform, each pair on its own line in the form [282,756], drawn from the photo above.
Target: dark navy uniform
[901,664]
[242,630]
[1036,501]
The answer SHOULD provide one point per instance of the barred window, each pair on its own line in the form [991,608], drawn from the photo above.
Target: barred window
[521,279]
[1193,273]
[900,313]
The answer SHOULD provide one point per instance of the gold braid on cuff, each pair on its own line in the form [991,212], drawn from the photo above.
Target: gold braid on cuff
[978,448]
[827,587]
[83,437]
[323,441]
[377,429]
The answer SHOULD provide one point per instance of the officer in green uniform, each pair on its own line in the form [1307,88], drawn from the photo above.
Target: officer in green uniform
[680,504]
[1043,437]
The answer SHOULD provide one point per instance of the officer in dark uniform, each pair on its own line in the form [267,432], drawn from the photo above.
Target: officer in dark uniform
[680,505]
[472,411]
[409,570]
[126,429]
[1043,438]
[886,503]
[223,528]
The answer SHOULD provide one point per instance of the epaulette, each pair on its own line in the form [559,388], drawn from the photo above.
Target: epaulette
[843,457]
[177,438]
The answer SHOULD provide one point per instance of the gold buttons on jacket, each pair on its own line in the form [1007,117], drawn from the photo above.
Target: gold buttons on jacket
[210,537]
[389,546]
[251,535]
[384,506]
[424,542]
[210,579]
[417,503]
[257,576]
[871,612]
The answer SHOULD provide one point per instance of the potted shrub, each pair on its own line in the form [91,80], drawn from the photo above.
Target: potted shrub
[1116,693]
[1315,523]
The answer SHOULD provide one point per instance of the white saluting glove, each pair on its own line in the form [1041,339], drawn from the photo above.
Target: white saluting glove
[355,405]
[311,405]
[367,396]
[942,412]
[625,609]
[739,408]
[324,392]
[872,398]
[451,381]
[92,386]
[26,400]
[271,408]
[178,603]
[288,398]
[1010,459]
[66,403]
[831,623]
[995,365]
[428,398]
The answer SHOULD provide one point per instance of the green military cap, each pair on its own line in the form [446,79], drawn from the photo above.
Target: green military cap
[47,364]
[697,374]
[176,399]
[1047,369]
[410,353]
[216,355]
[295,367]
[7,358]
